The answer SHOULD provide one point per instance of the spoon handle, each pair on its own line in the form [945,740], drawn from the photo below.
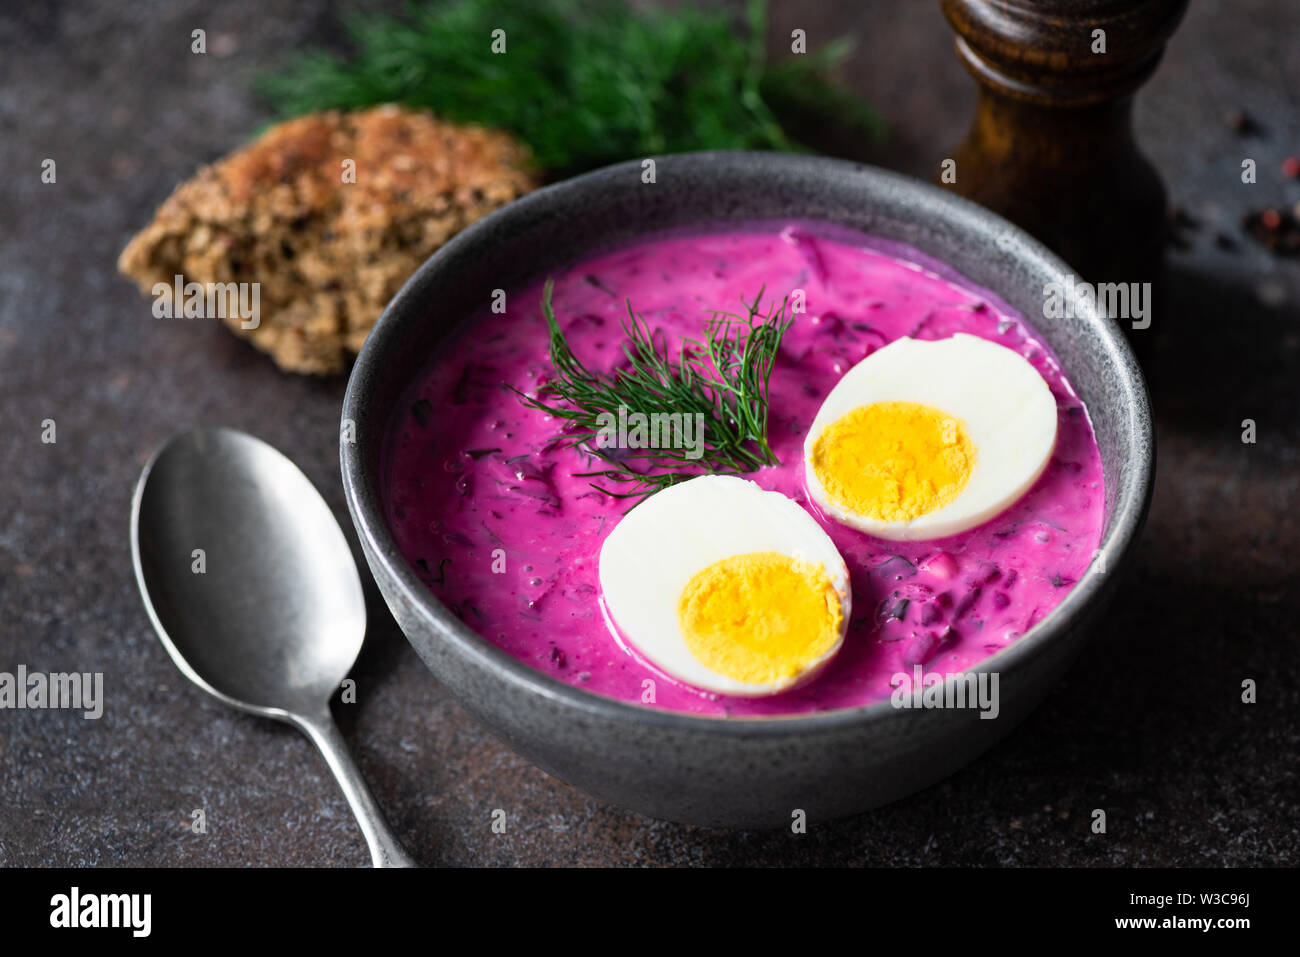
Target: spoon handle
[385,849]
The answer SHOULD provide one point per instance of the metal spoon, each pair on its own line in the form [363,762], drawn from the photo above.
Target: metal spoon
[253,590]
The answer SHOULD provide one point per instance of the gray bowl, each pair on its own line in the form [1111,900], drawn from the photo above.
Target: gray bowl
[734,772]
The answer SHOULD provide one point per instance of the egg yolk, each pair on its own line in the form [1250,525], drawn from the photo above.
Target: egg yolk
[760,617]
[893,461]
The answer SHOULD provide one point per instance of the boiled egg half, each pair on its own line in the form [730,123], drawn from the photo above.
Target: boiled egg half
[924,439]
[726,587]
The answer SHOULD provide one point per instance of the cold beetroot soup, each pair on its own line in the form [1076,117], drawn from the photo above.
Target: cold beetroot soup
[485,504]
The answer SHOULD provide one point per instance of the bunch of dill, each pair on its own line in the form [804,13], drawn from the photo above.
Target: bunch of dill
[723,378]
[583,84]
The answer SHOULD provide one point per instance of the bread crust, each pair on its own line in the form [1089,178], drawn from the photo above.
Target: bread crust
[328,254]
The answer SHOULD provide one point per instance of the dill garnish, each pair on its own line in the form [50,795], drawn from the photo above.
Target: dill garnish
[723,378]
[583,84]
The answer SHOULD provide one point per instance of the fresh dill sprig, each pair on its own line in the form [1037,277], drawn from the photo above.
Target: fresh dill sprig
[724,377]
[583,83]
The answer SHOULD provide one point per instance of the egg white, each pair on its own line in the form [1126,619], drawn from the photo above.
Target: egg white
[1007,408]
[651,555]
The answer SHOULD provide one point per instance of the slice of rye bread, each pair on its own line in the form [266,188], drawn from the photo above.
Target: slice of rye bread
[328,254]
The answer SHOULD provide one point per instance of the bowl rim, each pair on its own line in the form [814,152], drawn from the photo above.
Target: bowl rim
[385,559]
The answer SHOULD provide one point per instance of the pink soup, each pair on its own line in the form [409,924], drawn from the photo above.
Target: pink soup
[474,481]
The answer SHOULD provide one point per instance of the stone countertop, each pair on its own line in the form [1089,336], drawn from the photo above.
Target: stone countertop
[1148,725]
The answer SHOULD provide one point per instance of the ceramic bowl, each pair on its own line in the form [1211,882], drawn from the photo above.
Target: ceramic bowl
[737,772]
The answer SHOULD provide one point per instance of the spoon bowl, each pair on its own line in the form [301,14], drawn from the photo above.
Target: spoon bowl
[266,614]
[252,588]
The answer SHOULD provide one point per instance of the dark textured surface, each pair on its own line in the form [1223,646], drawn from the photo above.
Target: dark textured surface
[1148,725]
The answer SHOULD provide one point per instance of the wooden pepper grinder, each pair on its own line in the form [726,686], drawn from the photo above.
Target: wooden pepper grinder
[1051,147]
